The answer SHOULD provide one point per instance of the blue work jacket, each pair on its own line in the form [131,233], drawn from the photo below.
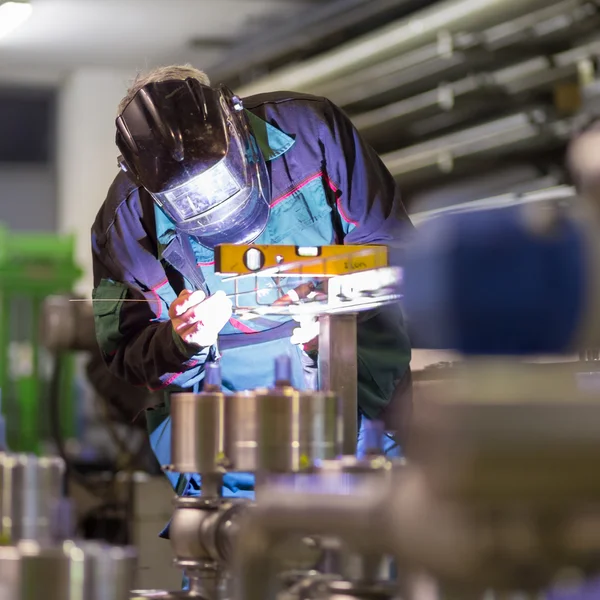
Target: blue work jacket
[327,187]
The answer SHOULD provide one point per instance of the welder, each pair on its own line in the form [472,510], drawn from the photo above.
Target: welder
[200,167]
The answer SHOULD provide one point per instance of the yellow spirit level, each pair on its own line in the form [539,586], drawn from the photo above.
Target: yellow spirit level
[323,261]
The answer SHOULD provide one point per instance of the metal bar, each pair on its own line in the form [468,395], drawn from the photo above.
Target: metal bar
[338,370]
[357,518]
[401,36]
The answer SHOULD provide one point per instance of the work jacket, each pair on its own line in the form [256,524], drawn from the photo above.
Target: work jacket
[327,187]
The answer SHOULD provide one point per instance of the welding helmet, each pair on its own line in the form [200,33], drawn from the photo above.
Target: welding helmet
[190,146]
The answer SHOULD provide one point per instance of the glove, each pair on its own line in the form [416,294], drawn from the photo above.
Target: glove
[197,319]
[307,334]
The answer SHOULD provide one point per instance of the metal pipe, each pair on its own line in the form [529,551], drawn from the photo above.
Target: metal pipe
[302,33]
[462,52]
[441,152]
[534,73]
[397,38]
[338,370]
[357,518]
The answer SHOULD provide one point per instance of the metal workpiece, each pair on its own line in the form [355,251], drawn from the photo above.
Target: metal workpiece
[31,490]
[338,370]
[70,571]
[281,430]
[197,441]
[204,530]
[359,519]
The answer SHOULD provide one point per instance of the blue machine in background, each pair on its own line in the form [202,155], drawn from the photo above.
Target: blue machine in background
[514,279]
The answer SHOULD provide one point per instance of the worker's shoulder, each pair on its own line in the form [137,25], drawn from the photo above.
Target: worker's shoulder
[123,202]
[285,101]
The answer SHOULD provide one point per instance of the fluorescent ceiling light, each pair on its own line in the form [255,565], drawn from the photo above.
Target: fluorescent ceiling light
[13,15]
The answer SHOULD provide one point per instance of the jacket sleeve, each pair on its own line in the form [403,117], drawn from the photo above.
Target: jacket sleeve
[136,339]
[367,197]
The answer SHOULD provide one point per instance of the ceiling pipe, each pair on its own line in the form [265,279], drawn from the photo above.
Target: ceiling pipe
[494,137]
[539,26]
[400,36]
[309,29]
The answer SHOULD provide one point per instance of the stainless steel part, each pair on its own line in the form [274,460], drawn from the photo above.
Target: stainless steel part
[346,590]
[67,324]
[338,370]
[30,493]
[395,39]
[354,517]
[280,430]
[111,570]
[204,530]
[495,429]
[498,494]
[198,429]
[70,571]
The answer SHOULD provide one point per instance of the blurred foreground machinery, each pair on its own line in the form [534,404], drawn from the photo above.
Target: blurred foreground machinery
[39,558]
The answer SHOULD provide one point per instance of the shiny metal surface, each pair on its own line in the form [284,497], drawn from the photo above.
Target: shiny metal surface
[338,371]
[241,432]
[281,430]
[30,493]
[204,530]
[111,570]
[30,571]
[197,439]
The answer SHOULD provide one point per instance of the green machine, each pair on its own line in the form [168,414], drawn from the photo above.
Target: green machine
[32,267]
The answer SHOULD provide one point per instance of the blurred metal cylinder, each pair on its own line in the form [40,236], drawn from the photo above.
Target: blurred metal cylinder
[67,325]
[30,571]
[197,439]
[203,531]
[281,430]
[111,570]
[31,489]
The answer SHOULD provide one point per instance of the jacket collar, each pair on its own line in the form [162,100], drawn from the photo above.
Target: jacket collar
[272,143]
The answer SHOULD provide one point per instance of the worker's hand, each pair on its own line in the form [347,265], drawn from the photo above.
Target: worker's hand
[197,319]
[307,334]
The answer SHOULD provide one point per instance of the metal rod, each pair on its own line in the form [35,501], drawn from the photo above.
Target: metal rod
[338,370]
[395,39]
[358,519]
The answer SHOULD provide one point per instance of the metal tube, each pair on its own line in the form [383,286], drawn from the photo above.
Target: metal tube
[357,518]
[296,35]
[338,370]
[397,38]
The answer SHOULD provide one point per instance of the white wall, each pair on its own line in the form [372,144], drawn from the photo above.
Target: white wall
[28,197]
[87,155]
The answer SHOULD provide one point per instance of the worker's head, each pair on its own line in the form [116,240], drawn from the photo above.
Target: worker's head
[191,146]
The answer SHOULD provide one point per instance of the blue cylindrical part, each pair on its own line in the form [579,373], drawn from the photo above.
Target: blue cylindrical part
[212,375]
[283,370]
[486,282]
